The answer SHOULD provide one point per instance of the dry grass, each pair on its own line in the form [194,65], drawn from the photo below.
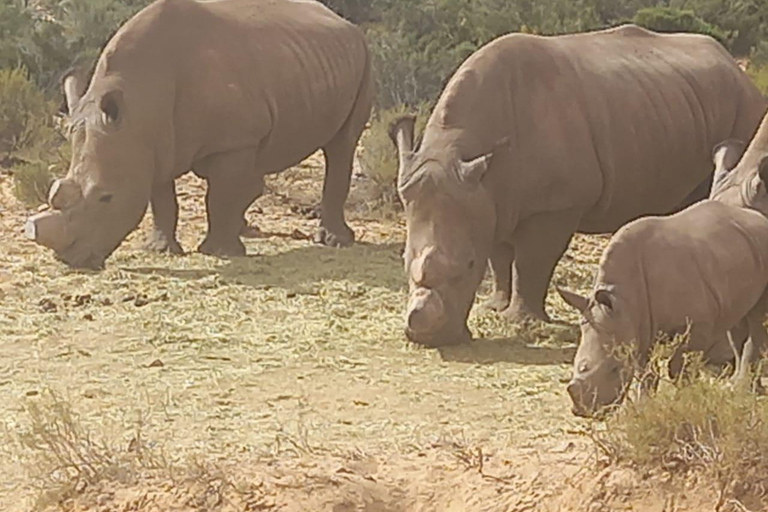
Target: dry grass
[698,425]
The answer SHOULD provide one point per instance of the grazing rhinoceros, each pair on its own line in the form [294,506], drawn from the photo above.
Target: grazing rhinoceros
[233,90]
[535,138]
[705,268]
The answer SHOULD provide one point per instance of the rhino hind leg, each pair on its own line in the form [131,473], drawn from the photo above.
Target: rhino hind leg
[334,231]
[232,186]
[165,216]
[748,367]
[540,242]
[501,267]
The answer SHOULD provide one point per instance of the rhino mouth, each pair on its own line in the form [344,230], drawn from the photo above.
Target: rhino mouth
[437,340]
[51,229]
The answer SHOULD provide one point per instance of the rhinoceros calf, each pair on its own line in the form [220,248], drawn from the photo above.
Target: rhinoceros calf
[705,268]
[535,138]
[233,90]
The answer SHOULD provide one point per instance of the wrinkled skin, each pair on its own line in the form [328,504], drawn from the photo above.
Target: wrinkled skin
[276,89]
[536,138]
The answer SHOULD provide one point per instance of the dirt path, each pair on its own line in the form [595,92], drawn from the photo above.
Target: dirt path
[285,366]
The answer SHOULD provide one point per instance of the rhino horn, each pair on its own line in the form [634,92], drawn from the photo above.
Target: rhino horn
[64,194]
[426,311]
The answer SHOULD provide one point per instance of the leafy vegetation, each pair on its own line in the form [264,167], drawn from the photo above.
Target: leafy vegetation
[416,46]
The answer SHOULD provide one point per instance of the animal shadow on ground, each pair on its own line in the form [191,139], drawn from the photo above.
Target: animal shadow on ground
[490,351]
[368,264]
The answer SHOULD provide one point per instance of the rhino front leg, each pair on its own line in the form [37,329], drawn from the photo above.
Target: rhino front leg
[233,185]
[748,368]
[501,267]
[165,217]
[540,242]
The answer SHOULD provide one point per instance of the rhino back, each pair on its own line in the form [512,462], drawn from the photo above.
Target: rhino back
[707,263]
[618,123]
[279,76]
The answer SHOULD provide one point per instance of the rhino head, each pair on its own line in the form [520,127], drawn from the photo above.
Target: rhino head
[451,218]
[106,190]
[603,367]
[741,175]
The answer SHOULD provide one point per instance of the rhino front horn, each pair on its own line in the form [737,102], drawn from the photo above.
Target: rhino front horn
[64,194]
[426,311]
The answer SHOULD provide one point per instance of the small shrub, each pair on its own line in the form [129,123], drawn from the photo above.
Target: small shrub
[63,457]
[760,77]
[25,114]
[378,158]
[31,182]
[699,425]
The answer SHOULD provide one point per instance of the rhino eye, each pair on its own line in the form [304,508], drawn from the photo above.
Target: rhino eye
[471,264]
[106,198]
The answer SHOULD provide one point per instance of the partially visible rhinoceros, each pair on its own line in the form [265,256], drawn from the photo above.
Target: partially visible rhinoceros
[233,90]
[703,269]
[535,138]
[741,176]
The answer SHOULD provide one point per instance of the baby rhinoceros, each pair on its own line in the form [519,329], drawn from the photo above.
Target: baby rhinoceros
[704,269]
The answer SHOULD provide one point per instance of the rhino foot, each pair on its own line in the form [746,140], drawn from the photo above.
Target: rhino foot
[336,238]
[250,231]
[158,242]
[233,249]
[521,314]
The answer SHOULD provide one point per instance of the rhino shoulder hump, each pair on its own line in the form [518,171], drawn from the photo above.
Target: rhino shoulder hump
[630,30]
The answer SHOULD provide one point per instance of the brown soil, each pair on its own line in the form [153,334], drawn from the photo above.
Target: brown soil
[285,375]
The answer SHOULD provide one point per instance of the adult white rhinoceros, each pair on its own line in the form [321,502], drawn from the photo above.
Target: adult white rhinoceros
[234,90]
[535,138]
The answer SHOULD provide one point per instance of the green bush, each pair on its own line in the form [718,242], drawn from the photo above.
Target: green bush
[25,114]
[759,75]
[378,158]
[668,19]
[31,182]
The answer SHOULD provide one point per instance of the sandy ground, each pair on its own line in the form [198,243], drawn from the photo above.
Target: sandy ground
[283,380]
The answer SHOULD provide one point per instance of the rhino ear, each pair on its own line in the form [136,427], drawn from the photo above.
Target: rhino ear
[604,298]
[111,105]
[727,154]
[74,88]
[573,299]
[474,170]
[762,169]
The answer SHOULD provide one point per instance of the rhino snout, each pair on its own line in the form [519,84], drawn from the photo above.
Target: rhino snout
[64,194]
[49,229]
[426,311]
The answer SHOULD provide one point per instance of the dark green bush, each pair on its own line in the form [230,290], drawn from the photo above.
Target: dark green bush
[668,19]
